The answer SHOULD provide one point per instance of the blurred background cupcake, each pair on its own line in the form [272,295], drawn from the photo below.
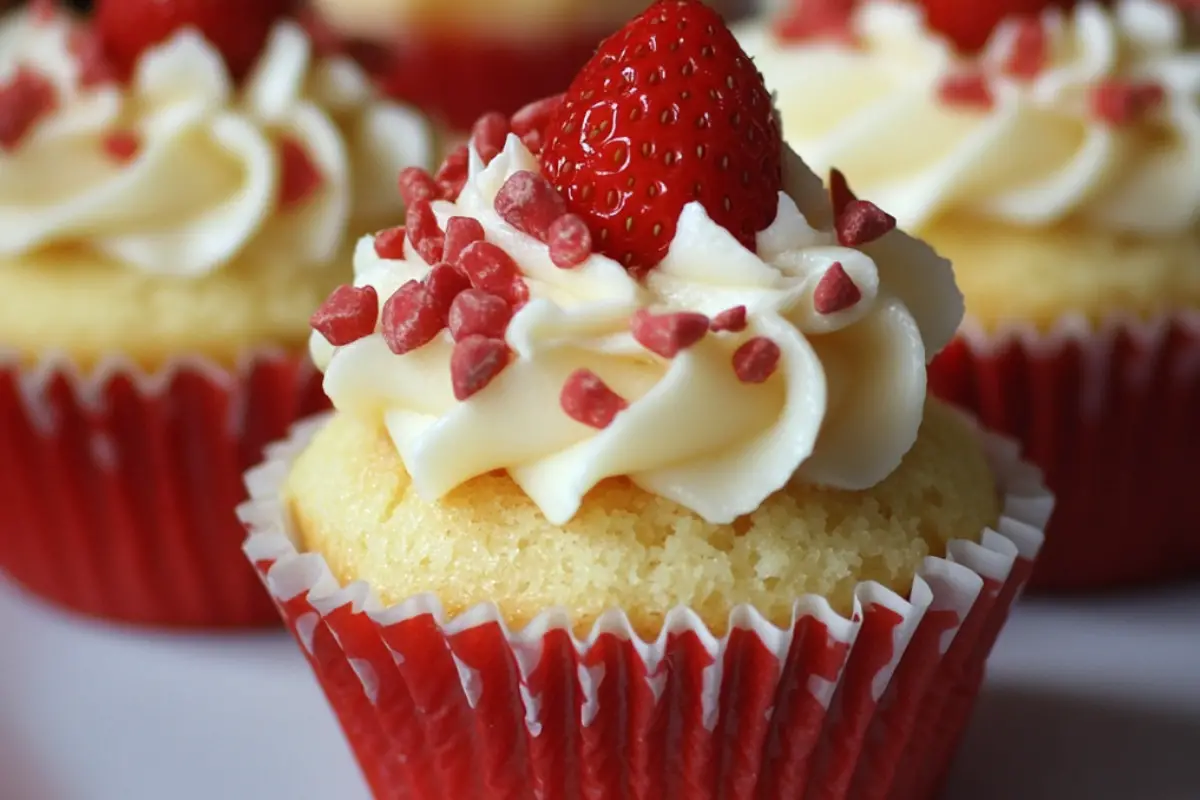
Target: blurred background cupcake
[1052,152]
[180,185]
[633,487]
[458,59]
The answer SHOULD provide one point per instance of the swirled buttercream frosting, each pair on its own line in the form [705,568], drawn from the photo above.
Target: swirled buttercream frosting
[181,172]
[1091,115]
[714,381]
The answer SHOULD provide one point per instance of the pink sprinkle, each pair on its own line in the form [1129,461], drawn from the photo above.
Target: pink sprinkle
[460,232]
[43,11]
[836,291]
[94,67]
[862,222]
[570,241]
[347,315]
[488,135]
[667,334]
[475,362]
[756,360]
[475,312]
[410,319]
[415,185]
[451,176]
[530,204]
[389,243]
[122,146]
[731,319]
[537,115]
[587,399]
[423,231]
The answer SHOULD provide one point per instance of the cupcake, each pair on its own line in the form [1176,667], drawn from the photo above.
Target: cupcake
[163,241]
[633,487]
[458,59]
[1058,167]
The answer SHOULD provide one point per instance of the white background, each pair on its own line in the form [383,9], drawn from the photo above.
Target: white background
[1087,700]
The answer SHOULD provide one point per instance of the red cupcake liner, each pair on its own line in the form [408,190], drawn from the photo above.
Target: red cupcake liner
[1112,416]
[870,707]
[118,488]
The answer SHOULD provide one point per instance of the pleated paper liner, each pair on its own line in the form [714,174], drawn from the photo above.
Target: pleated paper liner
[465,708]
[118,488]
[1112,416]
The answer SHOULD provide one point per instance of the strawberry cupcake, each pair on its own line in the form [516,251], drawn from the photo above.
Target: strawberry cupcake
[458,59]
[167,223]
[633,487]
[1052,152]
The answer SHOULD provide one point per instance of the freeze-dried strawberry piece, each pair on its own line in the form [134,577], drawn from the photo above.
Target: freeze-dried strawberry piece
[477,313]
[488,135]
[534,117]
[389,243]
[1121,103]
[299,177]
[347,315]
[475,363]
[25,98]
[836,291]
[570,241]
[586,398]
[534,141]
[416,184]
[862,222]
[492,270]
[122,146]
[444,283]
[731,319]
[423,231]
[1030,50]
[756,360]
[968,89]
[460,232]
[411,318]
[451,176]
[667,334]
[529,203]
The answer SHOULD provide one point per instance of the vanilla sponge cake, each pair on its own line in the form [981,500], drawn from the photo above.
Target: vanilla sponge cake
[352,501]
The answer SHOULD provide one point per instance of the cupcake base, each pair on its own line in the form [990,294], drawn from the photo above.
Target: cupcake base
[118,488]
[872,706]
[1111,413]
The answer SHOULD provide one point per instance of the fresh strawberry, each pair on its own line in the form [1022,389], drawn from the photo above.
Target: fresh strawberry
[237,28]
[970,23]
[668,111]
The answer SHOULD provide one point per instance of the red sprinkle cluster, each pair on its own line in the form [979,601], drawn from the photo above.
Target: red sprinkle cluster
[25,99]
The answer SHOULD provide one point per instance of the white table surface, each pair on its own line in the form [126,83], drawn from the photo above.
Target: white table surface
[1086,700]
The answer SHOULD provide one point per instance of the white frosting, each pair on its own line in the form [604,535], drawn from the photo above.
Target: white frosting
[1037,156]
[202,190]
[842,409]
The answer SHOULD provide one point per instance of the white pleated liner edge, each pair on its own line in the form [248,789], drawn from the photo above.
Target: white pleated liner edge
[34,379]
[950,583]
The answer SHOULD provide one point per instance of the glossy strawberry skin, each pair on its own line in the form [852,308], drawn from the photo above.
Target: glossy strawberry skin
[237,28]
[970,23]
[668,111]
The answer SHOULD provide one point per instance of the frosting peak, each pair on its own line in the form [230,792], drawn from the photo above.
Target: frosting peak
[183,173]
[1093,116]
[812,367]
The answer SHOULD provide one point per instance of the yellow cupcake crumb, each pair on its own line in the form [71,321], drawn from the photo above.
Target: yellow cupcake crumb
[1038,275]
[353,502]
[70,301]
